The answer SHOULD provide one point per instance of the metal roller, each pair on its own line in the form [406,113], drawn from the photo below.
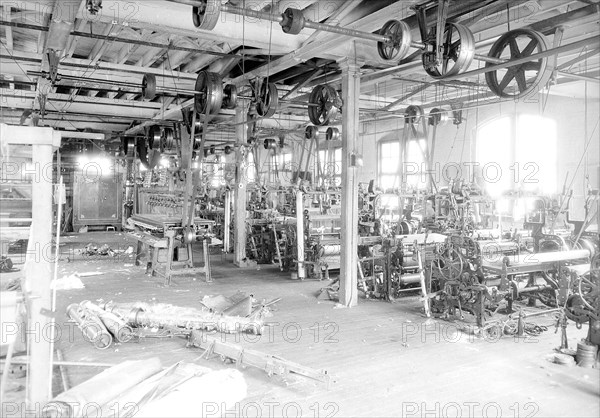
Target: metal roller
[328,250]
[93,330]
[117,326]
[522,80]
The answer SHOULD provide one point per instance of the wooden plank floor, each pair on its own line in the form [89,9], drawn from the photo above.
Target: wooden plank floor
[386,359]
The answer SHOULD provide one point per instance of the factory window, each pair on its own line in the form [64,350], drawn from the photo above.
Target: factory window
[389,167]
[415,169]
[284,160]
[389,160]
[331,166]
[516,154]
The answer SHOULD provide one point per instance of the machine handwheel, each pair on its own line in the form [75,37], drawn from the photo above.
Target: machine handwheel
[267,101]
[206,14]
[588,288]
[323,104]
[458,52]
[450,264]
[400,39]
[210,93]
[521,80]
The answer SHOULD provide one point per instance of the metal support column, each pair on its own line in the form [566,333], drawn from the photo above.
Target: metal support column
[241,183]
[350,129]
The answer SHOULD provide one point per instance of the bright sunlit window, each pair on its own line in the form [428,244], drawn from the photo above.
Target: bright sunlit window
[536,154]
[413,165]
[518,154]
[389,159]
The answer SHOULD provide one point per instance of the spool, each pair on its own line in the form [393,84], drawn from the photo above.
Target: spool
[586,354]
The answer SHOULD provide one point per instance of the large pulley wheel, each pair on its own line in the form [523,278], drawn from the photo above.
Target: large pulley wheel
[267,101]
[167,139]
[149,86]
[323,104]
[206,14]
[458,52]
[209,98]
[521,80]
[396,48]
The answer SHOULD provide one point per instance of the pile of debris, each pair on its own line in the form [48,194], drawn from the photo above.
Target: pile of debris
[103,323]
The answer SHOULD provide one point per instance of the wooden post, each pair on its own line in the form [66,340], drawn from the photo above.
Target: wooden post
[38,267]
[300,233]
[241,183]
[350,127]
[227,226]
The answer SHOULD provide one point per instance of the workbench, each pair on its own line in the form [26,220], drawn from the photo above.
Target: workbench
[163,235]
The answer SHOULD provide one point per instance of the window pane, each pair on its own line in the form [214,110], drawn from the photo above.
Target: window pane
[494,154]
[536,154]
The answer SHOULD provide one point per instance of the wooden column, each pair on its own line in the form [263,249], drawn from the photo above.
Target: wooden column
[241,183]
[350,127]
[39,262]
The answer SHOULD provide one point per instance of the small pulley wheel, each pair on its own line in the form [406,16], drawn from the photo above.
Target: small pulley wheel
[413,114]
[270,143]
[311,132]
[206,14]
[154,136]
[267,101]
[230,96]
[332,134]
[209,97]
[323,104]
[396,48]
[292,21]
[167,139]
[149,86]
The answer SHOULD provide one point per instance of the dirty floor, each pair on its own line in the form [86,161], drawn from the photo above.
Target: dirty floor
[385,359]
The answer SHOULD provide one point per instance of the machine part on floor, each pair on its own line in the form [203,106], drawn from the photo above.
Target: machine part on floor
[6,264]
[92,328]
[113,323]
[101,388]
[175,317]
[241,356]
